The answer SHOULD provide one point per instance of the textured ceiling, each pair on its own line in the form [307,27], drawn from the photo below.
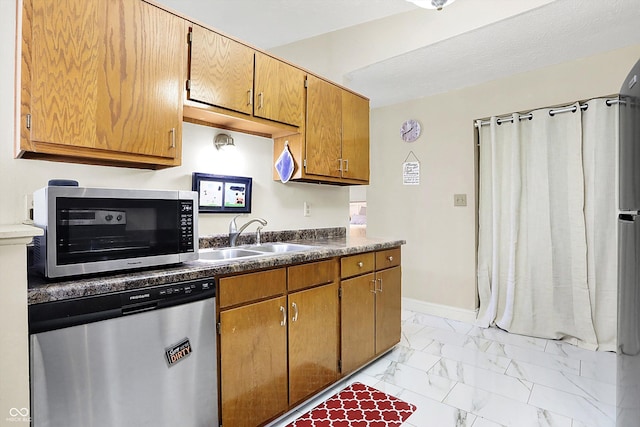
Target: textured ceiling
[561,31]
[469,42]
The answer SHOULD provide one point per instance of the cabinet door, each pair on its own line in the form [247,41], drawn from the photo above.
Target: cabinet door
[324,123]
[221,71]
[357,321]
[253,363]
[279,91]
[64,61]
[355,136]
[388,311]
[99,81]
[313,340]
[141,80]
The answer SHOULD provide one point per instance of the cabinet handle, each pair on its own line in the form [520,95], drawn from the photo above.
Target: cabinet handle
[346,164]
[173,137]
[390,258]
[360,264]
[340,165]
[260,98]
[283,310]
[249,97]
[373,291]
[380,288]
[294,306]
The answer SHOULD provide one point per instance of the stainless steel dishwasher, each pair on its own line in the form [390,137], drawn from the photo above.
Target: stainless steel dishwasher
[136,358]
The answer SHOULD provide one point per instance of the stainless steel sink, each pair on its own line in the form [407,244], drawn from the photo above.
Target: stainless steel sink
[281,247]
[230,254]
[227,254]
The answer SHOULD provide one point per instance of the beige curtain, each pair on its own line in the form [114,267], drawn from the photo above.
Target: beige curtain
[547,241]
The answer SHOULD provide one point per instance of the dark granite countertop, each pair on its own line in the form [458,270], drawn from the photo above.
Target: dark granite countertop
[326,245]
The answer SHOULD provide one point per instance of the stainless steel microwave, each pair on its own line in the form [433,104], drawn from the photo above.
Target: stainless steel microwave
[94,230]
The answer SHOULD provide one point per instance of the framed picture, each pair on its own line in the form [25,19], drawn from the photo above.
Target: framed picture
[221,193]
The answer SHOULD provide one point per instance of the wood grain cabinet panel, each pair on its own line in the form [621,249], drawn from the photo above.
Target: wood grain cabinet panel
[355,136]
[221,71]
[358,264]
[387,259]
[279,91]
[324,135]
[388,310]
[312,274]
[249,287]
[94,85]
[253,363]
[357,322]
[313,340]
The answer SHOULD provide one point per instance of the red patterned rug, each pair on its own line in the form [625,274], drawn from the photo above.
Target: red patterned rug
[357,406]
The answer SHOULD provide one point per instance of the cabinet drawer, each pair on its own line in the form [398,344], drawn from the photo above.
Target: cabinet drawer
[312,274]
[253,286]
[355,265]
[387,258]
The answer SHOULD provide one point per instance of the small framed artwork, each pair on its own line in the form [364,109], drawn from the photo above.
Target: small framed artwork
[222,193]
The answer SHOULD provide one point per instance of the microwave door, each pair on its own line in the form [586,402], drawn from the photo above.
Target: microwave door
[629,124]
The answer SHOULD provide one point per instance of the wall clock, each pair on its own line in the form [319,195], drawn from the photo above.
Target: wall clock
[410,130]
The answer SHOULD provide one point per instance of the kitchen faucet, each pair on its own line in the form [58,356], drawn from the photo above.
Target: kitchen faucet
[234,232]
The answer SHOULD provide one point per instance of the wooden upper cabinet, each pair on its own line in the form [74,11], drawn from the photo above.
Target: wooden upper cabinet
[279,91]
[95,87]
[141,83]
[221,71]
[355,136]
[324,134]
[334,147]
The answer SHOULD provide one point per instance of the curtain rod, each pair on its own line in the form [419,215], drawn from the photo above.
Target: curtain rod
[553,112]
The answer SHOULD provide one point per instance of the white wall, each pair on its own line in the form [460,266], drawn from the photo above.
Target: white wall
[440,255]
[280,204]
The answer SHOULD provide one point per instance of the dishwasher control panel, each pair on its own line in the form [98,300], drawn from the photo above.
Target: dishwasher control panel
[168,292]
[62,314]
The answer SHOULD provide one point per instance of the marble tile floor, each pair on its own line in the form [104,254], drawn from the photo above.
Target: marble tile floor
[461,375]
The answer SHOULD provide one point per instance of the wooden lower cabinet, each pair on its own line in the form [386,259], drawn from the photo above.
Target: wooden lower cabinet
[358,322]
[313,340]
[253,363]
[277,347]
[370,308]
[388,311]
[284,330]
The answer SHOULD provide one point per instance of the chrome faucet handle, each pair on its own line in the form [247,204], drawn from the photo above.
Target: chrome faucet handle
[233,227]
[258,237]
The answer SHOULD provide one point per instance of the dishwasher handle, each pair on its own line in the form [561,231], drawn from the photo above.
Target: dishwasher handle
[139,308]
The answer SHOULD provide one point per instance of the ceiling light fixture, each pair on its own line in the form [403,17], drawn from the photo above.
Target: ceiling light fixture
[432,4]
[223,140]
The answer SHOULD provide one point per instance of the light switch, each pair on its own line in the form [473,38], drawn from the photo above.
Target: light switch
[459,200]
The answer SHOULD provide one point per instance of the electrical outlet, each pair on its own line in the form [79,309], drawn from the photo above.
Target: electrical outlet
[306,209]
[459,200]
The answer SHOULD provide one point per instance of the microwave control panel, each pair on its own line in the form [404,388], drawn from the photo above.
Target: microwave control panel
[186,226]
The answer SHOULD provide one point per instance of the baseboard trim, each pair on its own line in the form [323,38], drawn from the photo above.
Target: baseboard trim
[445,311]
